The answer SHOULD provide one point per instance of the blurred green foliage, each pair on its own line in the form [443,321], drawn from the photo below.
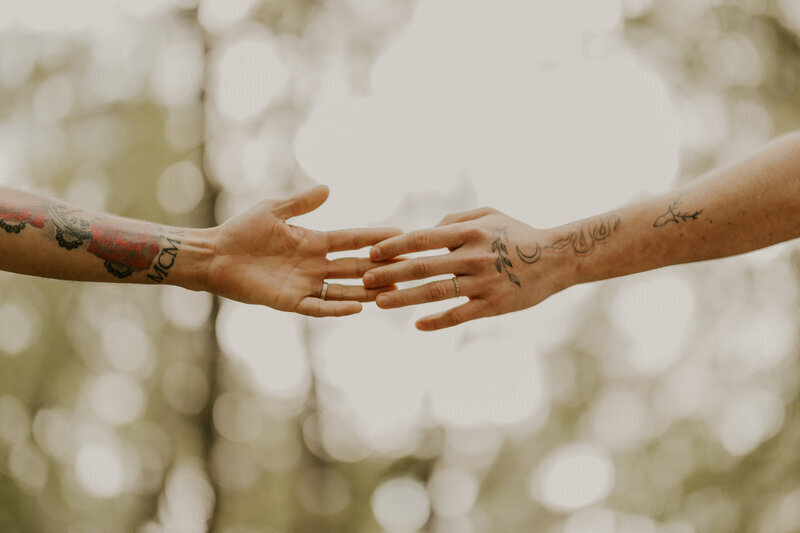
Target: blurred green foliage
[735,64]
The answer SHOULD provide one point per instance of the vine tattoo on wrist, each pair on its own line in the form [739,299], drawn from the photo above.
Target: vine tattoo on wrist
[673,214]
[582,240]
[502,262]
[134,247]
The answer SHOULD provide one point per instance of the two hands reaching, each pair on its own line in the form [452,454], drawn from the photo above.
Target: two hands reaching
[260,258]
[499,263]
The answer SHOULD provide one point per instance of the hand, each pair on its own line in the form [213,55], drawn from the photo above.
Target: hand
[260,259]
[491,256]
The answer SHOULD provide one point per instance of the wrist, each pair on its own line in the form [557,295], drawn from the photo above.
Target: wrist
[572,249]
[568,267]
[196,249]
[547,266]
[589,248]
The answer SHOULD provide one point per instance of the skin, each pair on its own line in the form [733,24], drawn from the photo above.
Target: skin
[745,206]
[255,257]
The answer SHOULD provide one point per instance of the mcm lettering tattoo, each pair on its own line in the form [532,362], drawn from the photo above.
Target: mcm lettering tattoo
[502,262]
[136,248]
[581,240]
[674,214]
[165,261]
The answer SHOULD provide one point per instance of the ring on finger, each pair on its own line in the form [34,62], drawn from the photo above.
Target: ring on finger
[324,290]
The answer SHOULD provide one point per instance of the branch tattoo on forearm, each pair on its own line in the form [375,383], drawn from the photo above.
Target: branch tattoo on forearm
[123,251]
[502,262]
[581,240]
[673,214]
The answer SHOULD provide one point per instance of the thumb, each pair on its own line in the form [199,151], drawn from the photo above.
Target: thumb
[301,203]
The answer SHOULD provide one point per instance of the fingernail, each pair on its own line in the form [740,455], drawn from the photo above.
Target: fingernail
[375,252]
[382,300]
[369,279]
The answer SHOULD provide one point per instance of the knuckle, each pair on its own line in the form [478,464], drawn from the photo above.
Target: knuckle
[437,291]
[455,316]
[474,233]
[420,268]
[493,299]
[477,260]
[419,240]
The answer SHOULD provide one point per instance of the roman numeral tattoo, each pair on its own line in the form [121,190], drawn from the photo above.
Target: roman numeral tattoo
[165,261]
[502,262]
[125,247]
[675,215]
[582,240]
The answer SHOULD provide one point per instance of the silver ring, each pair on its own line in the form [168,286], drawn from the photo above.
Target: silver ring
[458,289]
[324,290]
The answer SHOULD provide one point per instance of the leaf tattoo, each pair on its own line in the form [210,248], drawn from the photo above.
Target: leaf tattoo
[502,262]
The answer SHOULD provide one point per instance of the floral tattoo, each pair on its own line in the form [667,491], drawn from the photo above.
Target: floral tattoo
[136,247]
[502,262]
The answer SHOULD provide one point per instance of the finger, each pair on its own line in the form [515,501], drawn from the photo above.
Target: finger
[353,239]
[410,269]
[464,216]
[430,292]
[301,203]
[318,308]
[353,293]
[352,267]
[454,316]
[417,241]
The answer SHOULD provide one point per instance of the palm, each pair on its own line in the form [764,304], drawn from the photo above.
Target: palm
[263,260]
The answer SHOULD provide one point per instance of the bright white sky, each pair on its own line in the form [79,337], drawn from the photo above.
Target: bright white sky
[506,97]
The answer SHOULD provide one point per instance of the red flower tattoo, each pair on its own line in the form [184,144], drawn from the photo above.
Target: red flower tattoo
[13,220]
[124,252]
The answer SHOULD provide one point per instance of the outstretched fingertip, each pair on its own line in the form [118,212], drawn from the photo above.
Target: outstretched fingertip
[350,308]
[424,325]
[382,301]
[314,197]
[302,202]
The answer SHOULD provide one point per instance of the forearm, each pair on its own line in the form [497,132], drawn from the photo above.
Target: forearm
[46,237]
[748,205]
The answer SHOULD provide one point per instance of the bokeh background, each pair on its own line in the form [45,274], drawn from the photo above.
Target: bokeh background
[665,402]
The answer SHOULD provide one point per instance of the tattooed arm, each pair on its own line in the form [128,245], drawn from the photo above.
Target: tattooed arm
[503,265]
[255,257]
